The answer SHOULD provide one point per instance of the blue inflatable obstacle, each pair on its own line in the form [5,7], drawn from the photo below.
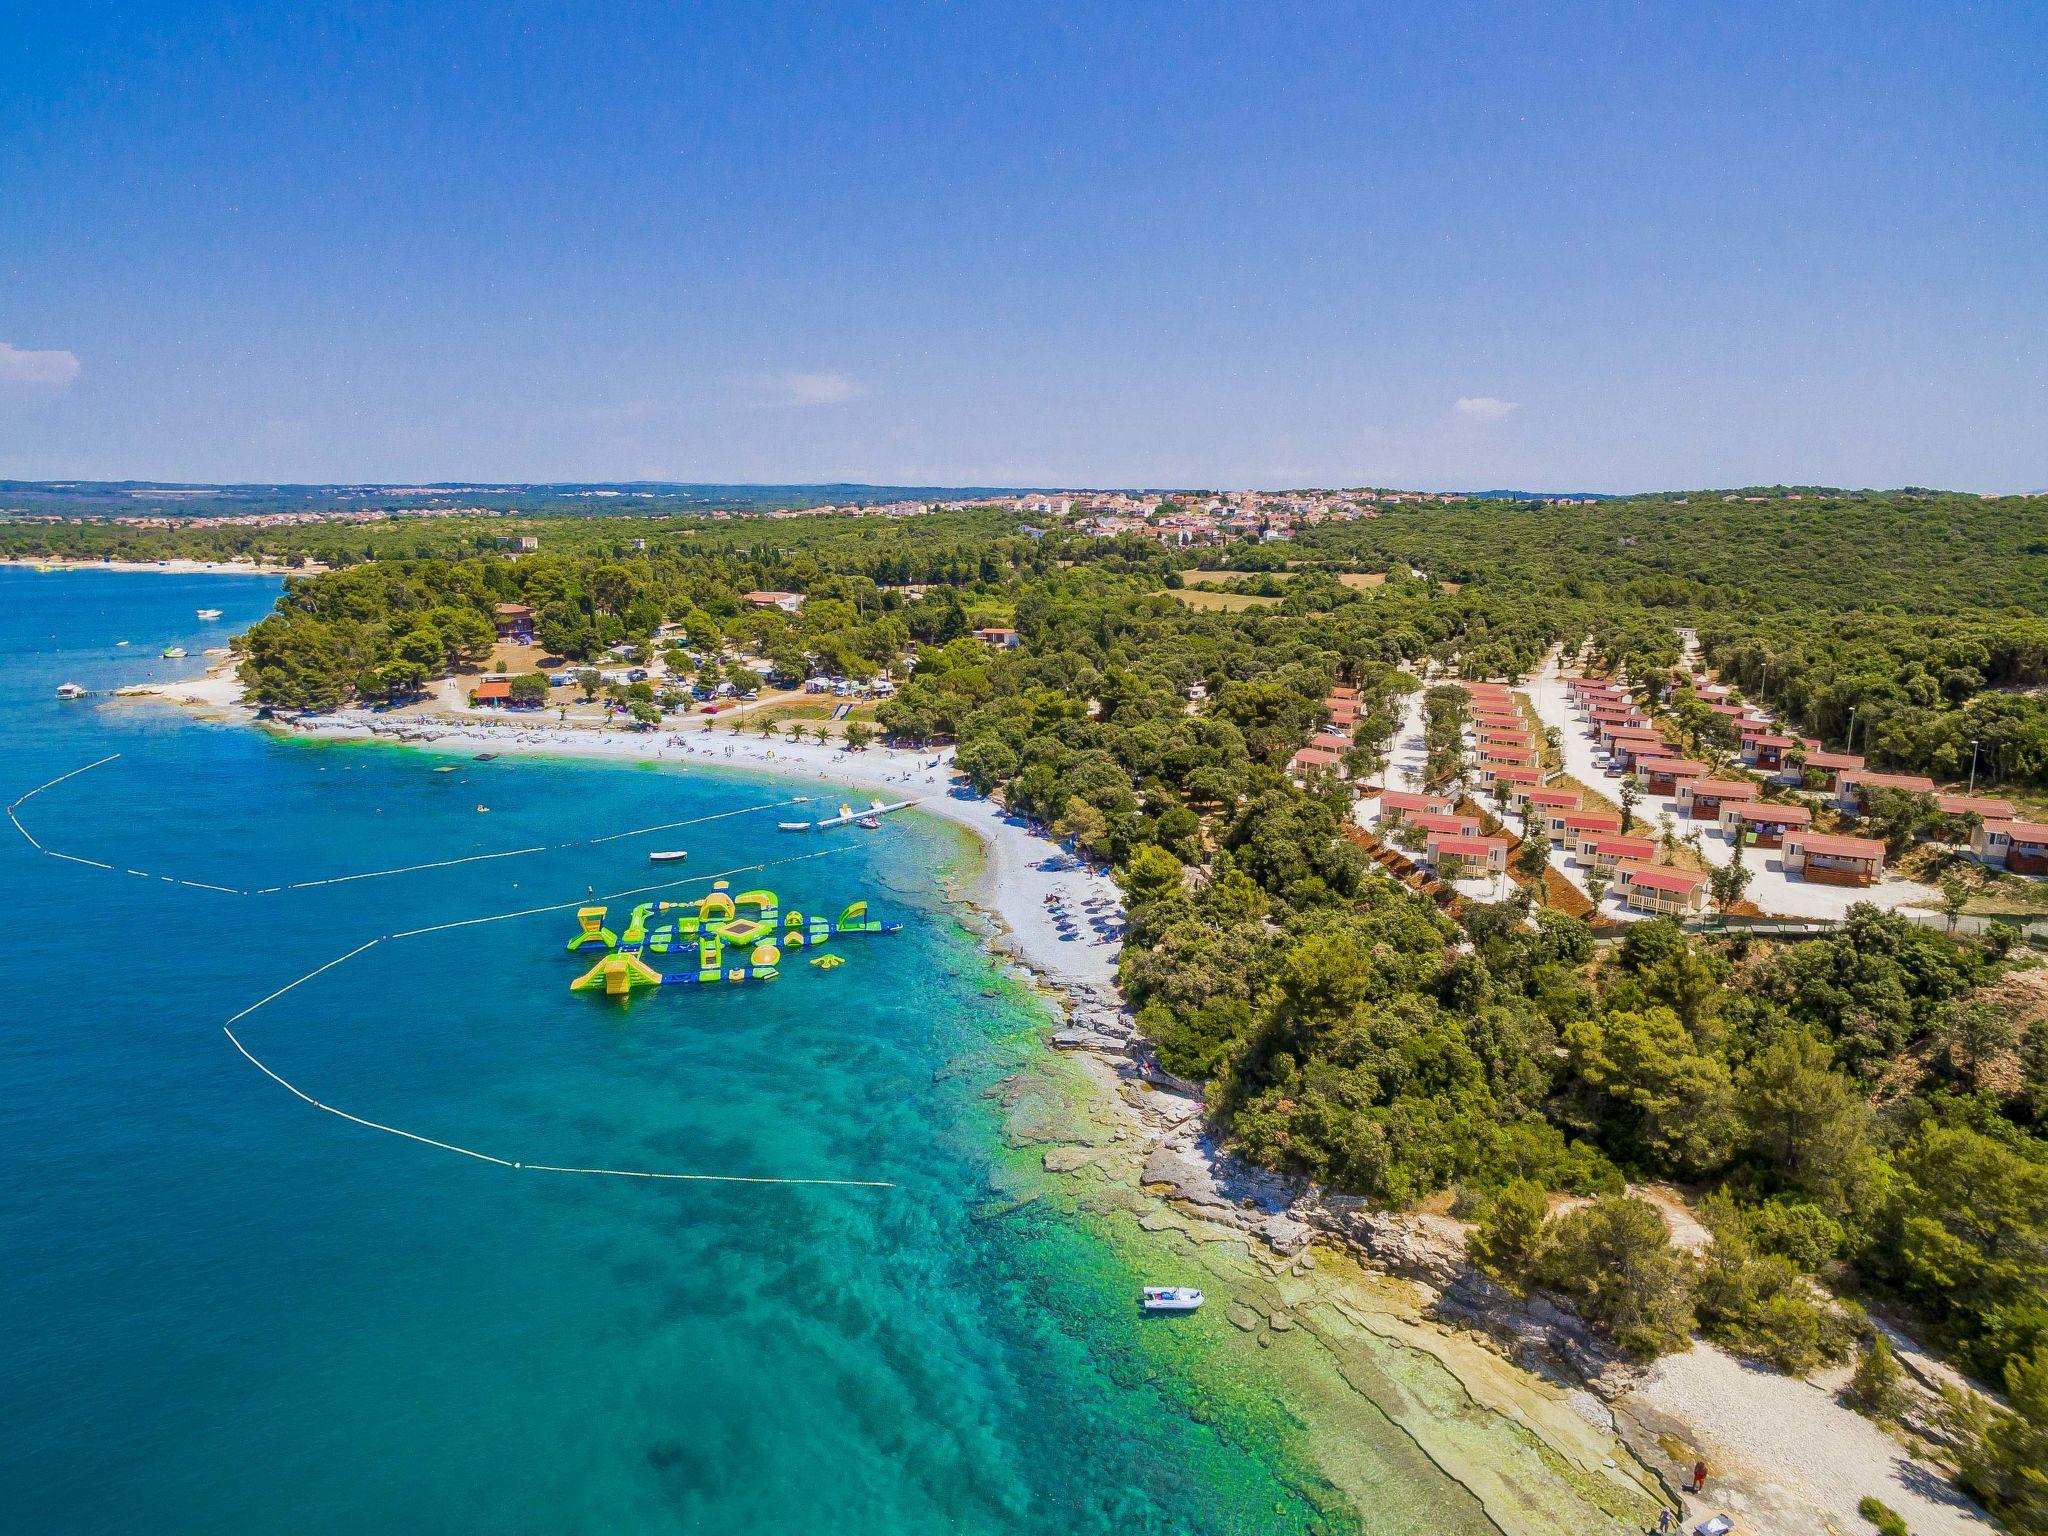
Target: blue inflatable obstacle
[727,937]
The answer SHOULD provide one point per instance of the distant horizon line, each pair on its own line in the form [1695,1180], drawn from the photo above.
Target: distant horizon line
[929,489]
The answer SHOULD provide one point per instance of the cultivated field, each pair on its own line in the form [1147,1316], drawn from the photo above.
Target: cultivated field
[1222,602]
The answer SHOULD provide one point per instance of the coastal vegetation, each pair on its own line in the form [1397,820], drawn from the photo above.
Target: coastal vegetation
[1857,1119]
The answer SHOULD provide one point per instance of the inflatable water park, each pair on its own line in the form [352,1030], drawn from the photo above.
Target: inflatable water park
[719,937]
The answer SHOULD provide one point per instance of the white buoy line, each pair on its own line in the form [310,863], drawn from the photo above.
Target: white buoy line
[227,1028]
[487,1157]
[368,874]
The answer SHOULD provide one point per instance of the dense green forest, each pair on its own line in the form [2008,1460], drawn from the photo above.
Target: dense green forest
[1863,1109]
[1918,620]
[1924,614]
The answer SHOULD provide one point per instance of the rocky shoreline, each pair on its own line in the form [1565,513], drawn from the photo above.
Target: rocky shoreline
[1188,1164]
[1665,1414]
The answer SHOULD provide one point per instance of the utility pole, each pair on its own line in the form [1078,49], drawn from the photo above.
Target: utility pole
[1973,765]
[1849,742]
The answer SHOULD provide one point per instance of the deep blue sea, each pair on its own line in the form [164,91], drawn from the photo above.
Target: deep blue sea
[226,1311]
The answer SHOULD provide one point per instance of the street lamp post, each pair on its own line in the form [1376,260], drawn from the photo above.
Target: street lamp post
[1849,741]
[1973,765]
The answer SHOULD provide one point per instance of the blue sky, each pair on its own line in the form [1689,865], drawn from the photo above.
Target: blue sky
[1569,247]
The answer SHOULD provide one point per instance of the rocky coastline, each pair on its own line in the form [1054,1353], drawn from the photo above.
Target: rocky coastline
[1666,1414]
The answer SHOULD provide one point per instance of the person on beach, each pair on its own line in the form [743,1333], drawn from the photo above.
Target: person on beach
[1665,1521]
[1699,1477]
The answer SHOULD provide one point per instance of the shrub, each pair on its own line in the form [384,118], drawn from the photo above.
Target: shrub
[1761,1305]
[1889,1521]
[1874,1387]
[1509,1235]
[2005,1461]
[1615,1261]
[1796,1230]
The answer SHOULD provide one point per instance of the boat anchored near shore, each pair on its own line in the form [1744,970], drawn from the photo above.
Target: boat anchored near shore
[1171,1298]
[667,855]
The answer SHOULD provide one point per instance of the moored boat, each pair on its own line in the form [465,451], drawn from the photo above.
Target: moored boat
[1171,1298]
[872,823]
[174,652]
[70,691]
[792,826]
[667,856]
[209,613]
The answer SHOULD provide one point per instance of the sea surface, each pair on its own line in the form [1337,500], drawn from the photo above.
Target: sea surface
[227,1311]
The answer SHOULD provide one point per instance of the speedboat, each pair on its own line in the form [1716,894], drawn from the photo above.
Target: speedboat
[209,613]
[667,856]
[174,652]
[792,826]
[1171,1298]
[872,823]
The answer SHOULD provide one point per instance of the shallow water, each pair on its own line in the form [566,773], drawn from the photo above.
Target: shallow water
[229,1311]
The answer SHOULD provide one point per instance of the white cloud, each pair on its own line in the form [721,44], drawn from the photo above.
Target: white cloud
[1483,407]
[817,388]
[51,370]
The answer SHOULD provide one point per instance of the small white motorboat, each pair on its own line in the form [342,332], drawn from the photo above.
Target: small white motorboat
[120,642]
[209,613]
[70,691]
[792,826]
[174,652]
[667,856]
[1171,1298]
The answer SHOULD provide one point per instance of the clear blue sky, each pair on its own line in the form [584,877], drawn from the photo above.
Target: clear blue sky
[1547,246]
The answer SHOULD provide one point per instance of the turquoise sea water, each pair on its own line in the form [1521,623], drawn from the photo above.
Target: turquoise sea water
[229,1312]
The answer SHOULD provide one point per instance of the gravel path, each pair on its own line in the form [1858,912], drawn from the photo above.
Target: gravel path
[1784,1457]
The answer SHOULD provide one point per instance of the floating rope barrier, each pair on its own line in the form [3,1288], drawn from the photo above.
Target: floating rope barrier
[227,1028]
[368,874]
[503,1162]
[519,1167]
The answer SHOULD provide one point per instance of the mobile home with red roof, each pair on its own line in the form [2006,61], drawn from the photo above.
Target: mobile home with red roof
[1827,859]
